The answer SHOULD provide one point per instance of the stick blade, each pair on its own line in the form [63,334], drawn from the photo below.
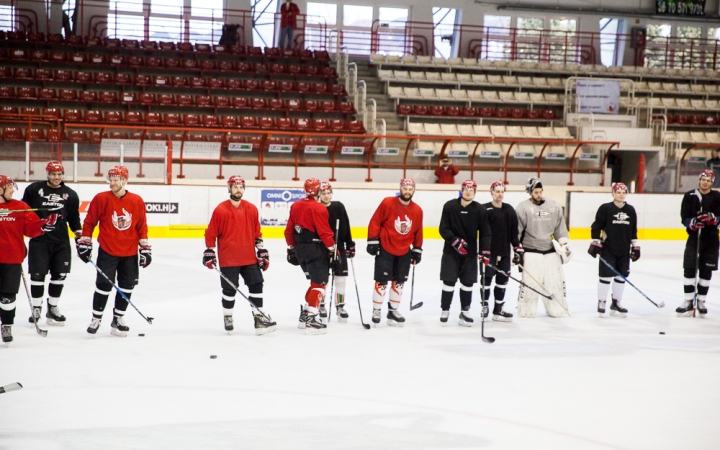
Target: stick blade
[661,305]
[489,340]
[11,387]
[414,307]
[150,319]
[366,326]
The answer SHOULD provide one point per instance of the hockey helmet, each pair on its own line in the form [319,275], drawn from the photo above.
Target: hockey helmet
[236,180]
[532,184]
[468,184]
[325,186]
[118,171]
[54,166]
[496,184]
[6,181]
[407,182]
[619,187]
[707,173]
[312,187]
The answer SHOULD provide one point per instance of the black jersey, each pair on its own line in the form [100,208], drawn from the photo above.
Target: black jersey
[336,211]
[617,227]
[691,207]
[465,222]
[504,227]
[40,195]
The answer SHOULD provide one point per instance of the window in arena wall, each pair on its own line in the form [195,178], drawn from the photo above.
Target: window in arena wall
[689,54]
[207,21]
[564,47]
[528,38]
[357,25]
[320,17]
[612,47]
[444,33]
[263,13]
[392,36]
[165,23]
[497,42]
[655,45]
[126,20]
[7,17]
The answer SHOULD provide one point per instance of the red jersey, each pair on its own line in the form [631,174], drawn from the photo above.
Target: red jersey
[312,215]
[122,222]
[234,230]
[446,176]
[12,228]
[398,226]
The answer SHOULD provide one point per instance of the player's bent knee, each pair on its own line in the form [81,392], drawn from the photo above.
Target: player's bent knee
[256,288]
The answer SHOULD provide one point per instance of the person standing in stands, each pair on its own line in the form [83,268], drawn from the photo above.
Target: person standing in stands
[288,22]
[446,171]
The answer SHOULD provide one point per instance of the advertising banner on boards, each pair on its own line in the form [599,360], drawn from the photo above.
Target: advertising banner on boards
[275,205]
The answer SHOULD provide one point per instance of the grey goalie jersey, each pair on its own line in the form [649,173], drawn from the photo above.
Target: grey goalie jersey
[538,224]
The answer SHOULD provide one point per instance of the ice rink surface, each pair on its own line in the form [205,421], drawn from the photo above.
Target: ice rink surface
[579,382]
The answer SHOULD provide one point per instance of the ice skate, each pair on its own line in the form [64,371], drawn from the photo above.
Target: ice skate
[444,317]
[465,320]
[314,325]
[228,320]
[118,327]
[263,323]
[54,317]
[617,310]
[701,309]
[94,325]
[377,315]
[302,321]
[342,315]
[7,334]
[601,307]
[499,315]
[394,318]
[35,317]
[323,311]
[686,309]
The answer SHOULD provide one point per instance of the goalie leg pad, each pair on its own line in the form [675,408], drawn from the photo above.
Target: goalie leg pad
[554,281]
[528,299]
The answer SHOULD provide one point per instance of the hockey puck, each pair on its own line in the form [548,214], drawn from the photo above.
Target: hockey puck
[662,332]
[141,334]
[213,356]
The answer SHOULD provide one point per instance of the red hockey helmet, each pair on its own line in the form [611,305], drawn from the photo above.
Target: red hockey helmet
[118,171]
[619,187]
[407,182]
[236,180]
[6,181]
[325,186]
[54,166]
[468,184]
[496,184]
[312,187]
[707,173]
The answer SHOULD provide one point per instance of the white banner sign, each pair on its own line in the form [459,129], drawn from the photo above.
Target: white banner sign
[157,149]
[597,96]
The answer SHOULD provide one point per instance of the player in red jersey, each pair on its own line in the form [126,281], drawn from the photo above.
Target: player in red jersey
[13,226]
[235,227]
[395,238]
[123,228]
[311,245]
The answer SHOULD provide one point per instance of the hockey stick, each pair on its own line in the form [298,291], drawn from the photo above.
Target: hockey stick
[659,305]
[365,325]
[488,339]
[412,291]
[552,296]
[697,258]
[5,212]
[240,292]
[497,269]
[42,333]
[336,257]
[122,294]
[10,387]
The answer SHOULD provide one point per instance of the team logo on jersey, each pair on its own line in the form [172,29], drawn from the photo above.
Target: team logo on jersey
[621,218]
[52,199]
[403,226]
[123,222]
[540,214]
[298,229]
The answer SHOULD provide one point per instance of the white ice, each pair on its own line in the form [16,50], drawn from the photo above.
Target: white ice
[579,382]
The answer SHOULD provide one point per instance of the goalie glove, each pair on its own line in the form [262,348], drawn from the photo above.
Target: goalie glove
[459,245]
[561,247]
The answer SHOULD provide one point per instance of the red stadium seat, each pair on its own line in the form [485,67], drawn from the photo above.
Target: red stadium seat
[23,73]
[149,99]
[78,58]
[36,37]
[30,111]
[269,85]
[58,57]
[248,122]
[277,68]
[346,107]
[696,120]
[356,126]
[93,116]
[153,118]
[53,112]
[254,51]
[469,111]
[210,121]
[189,64]
[88,96]
[191,120]
[134,61]
[261,68]
[47,94]
[276,104]
[153,62]
[533,114]
[420,110]
[327,106]
[226,66]
[78,136]
[251,85]
[403,110]
[294,69]
[229,121]
[7,92]
[179,82]
[203,48]
[304,125]
[27,92]
[711,120]
[93,41]
[215,83]
[244,67]
[184,46]
[502,112]
[148,45]
[311,105]
[115,117]
[53,135]
[548,114]
[203,101]
[329,72]
[286,86]
[6,72]
[272,52]
[118,135]
[119,60]
[63,75]
[487,112]
[437,110]
[320,88]
[94,137]
[75,40]
[36,134]
[171,63]
[320,125]
[221,48]
[98,60]
[142,80]
[321,55]
[302,87]
[197,82]
[258,103]
[294,104]
[112,43]
[13,134]
[208,64]
[103,77]
[130,44]
[39,55]
[128,98]
[185,100]
[108,97]
[221,101]
[453,111]
[338,126]
[167,46]
[288,52]
[267,123]
[517,113]
[56,38]
[310,70]
[160,80]
[285,124]
[83,77]
[134,118]
[234,83]
[172,119]
[240,103]
[123,79]
[43,74]
[68,95]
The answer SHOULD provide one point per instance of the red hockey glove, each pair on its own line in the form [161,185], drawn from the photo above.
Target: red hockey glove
[696,224]
[518,256]
[709,219]
[263,259]
[49,223]
[145,256]
[484,257]
[209,258]
[350,249]
[84,246]
[459,245]
[635,253]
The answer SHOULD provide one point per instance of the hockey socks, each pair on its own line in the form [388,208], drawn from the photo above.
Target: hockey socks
[396,291]
[448,290]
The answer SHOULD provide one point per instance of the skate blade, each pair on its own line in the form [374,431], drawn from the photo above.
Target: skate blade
[116,332]
[684,314]
[268,330]
[464,323]
[443,323]
[395,323]
[701,315]
[342,319]
[618,314]
[315,331]
[55,323]
[501,319]
[302,325]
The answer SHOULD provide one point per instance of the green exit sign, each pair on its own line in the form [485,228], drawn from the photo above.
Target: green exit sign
[489,154]
[388,151]
[423,152]
[280,148]
[240,147]
[524,155]
[557,156]
[353,150]
[589,157]
[458,153]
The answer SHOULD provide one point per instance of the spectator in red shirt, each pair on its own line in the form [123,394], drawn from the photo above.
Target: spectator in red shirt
[446,171]
[288,22]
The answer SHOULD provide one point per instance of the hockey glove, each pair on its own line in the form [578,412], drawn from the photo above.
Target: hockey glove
[518,256]
[291,257]
[709,219]
[49,223]
[416,255]
[373,246]
[145,255]
[459,245]
[209,258]
[696,224]
[595,248]
[484,257]
[84,248]
[635,253]
[350,249]
[263,259]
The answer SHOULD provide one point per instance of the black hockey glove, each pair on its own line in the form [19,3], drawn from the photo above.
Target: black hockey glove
[291,257]
[459,245]
[484,257]
[416,255]
[350,249]
[145,256]
[373,246]
[209,258]
[595,248]
[518,256]
[635,253]
[84,248]
[263,259]
[49,223]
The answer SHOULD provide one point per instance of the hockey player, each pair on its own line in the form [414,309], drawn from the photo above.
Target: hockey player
[504,228]
[13,226]
[460,222]
[311,245]
[614,238]
[235,228]
[123,243]
[345,249]
[539,221]
[395,238]
[699,211]
[51,252]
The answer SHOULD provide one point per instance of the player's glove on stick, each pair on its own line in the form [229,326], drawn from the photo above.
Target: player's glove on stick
[209,258]
[595,248]
[84,245]
[291,257]
[518,256]
[145,255]
[263,259]
[696,224]
[416,255]
[484,257]
[373,246]
[350,249]
[49,223]
[459,245]
[635,253]
[709,219]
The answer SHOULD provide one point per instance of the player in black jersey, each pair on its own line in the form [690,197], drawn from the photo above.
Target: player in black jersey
[460,222]
[51,252]
[699,211]
[614,238]
[345,248]
[504,227]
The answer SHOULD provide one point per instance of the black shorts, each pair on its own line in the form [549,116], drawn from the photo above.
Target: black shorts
[10,275]
[620,263]
[342,269]
[389,267]
[502,263]
[708,257]
[44,257]
[454,266]
[126,268]
[251,275]
[314,260]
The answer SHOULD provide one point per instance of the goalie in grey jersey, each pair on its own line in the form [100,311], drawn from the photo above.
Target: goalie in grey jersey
[544,237]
